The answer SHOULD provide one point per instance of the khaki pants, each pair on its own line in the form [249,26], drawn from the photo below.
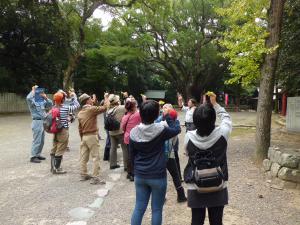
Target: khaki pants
[90,146]
[60,142]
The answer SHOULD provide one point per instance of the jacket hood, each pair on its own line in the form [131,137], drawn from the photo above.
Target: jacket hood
[203,142]
[146,133]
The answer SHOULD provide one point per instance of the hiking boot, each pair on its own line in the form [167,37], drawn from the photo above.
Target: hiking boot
[85,177]
[59,171]
[35,160]
[115,167]
[41,157]
[97,180]
[57,162]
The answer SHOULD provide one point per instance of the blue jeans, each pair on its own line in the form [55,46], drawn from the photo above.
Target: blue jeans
[156,188]
[38,137]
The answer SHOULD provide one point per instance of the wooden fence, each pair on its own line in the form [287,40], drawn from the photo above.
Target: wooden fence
[13,103]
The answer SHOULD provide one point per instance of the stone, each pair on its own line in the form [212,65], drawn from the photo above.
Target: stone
[81,213]
[281,184]
[289,160]
[271,154]
[267,164]
[289,174]
[97,203]
[269,175]
[102,192]
[77,223]
[277,156]
[274,169]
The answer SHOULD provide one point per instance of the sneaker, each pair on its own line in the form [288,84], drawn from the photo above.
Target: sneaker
[95,181]
[115,167]
[41,157]
[85,177]
[35,160]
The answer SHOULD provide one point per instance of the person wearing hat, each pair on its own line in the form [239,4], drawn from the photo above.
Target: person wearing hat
[88,130]
[61,139]
[38,113]
[117,136]
[171,149]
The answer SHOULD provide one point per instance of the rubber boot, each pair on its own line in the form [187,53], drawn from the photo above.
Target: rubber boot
[57,163]
[52,162]
[181,195]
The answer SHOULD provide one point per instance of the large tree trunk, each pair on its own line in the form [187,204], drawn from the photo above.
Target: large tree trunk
[265,100]
[68,73]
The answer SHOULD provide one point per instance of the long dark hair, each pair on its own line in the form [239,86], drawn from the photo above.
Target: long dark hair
[204,119]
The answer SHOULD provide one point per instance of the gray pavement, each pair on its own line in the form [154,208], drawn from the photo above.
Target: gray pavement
[30,195]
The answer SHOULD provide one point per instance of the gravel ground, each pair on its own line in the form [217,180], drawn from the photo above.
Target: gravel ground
[30,195]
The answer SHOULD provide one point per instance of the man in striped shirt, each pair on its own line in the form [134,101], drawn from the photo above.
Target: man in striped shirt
[61,139]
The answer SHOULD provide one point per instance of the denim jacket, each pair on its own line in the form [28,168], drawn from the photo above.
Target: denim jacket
[37,109]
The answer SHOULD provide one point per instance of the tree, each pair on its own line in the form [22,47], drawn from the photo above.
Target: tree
[177,40]
[264,108]
[83,9]
[288,71]
[33,45]
[244,39]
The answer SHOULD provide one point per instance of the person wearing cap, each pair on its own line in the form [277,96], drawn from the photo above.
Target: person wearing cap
[61,139]
[38,113]
[117,136]
[88,130]
[171,149]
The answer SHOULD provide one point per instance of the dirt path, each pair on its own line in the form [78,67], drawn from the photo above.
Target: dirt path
[30,195]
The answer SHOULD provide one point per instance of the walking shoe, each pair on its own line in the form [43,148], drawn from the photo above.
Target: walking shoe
[35,160]
[41,157]
[130,177]
[115,167]
[95,181]
[85,177]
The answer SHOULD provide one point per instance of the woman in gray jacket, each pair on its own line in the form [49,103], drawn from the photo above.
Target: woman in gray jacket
[212,141]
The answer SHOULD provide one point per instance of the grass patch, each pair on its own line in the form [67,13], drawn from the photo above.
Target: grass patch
[236,132]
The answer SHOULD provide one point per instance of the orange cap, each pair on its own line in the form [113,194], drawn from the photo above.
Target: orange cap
[58,97]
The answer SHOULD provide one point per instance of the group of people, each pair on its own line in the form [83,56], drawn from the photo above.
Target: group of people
[148,136]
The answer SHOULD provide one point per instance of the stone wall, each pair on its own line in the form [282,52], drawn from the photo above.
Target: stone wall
[283,167]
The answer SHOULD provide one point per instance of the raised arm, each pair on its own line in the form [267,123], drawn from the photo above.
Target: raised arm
[170,132]
[30,97]
[226,123]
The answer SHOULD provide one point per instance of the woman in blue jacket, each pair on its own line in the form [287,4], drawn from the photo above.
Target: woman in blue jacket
[149,160]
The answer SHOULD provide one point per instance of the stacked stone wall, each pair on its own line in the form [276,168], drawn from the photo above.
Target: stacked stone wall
[283,167]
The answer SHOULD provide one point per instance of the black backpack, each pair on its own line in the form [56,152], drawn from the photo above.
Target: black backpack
[110,122]
[204,172]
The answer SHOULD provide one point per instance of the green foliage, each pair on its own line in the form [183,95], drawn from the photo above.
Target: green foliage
[244,39]
[33,43]
[176,40]
[288,71]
